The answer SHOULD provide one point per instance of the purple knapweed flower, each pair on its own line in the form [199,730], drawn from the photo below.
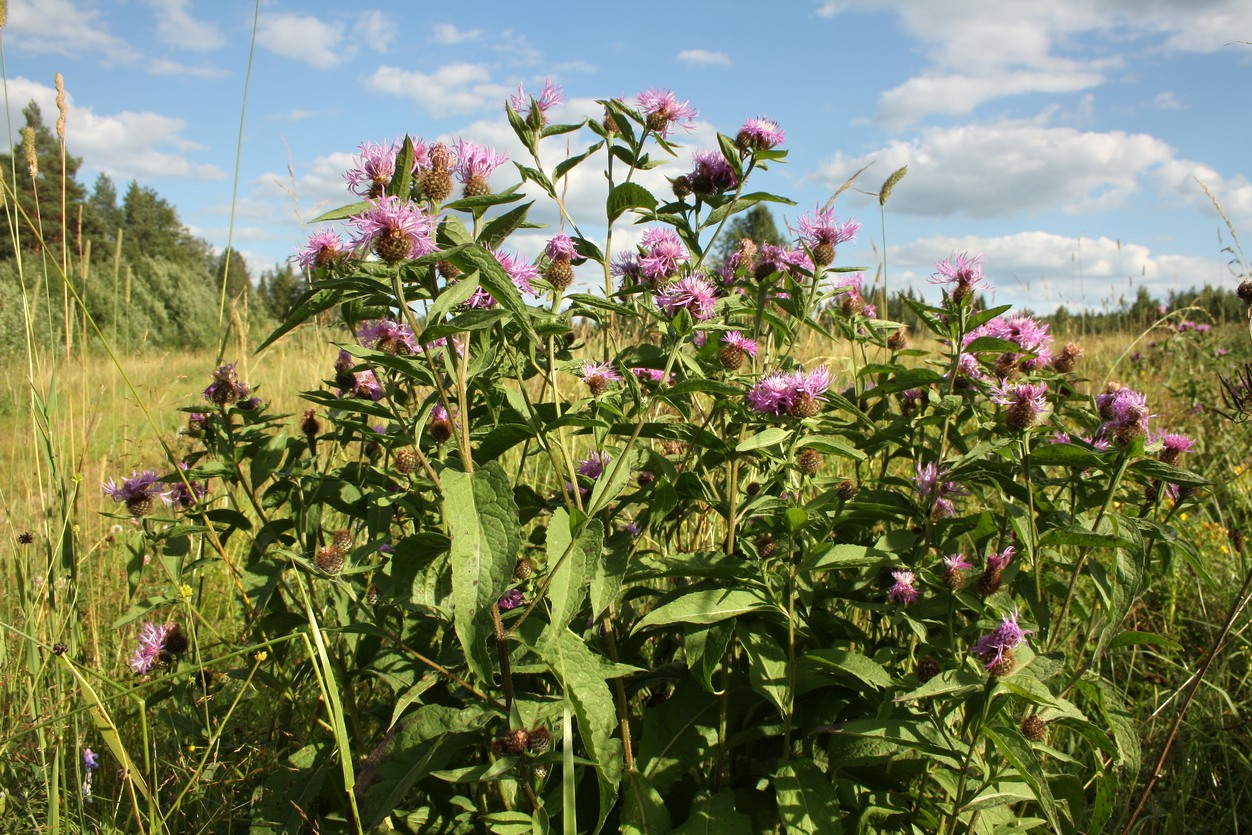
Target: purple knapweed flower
[961,273]
[930,485]
[394,229]
[534,109]
[759,134]
[821,232]
[662,110]
[520,272]
[797,394]
[736,347]
[711,174]
[511,600]
[652,375]
[387,335]
[152,639]
[474,164]
[626,266]
[1026,403]
[694,294]
[994,648]
[853,303]
[561,246]
[1125,414]
[905,589]
[1173,445]
[184,493]
[226,387]
[361,383]
[999,561]
[663,252]
[1030,336]
[954,567]
[375,165]
[323,249]
[594,465]
[138,491]
[598,375]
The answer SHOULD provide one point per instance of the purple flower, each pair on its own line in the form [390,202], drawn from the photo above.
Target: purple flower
[693,294]
[905,590]
[361,383]
[598,375]
[626,266]
[711,175]
[662,254]
[1029,335]
[737,340]
[185,493]
[1173,445]
[151,644]
[962,273]
[226,388]
[520,273]
[1026,403]
[561,246]
[511,600]
[957,562]
[594,465]
[138,491]
[998,562]
[91,760]
[650,375]
[323,249]
[374,166]
[474,164]
[662,110]
[394,229]
[759,134]
[930,485]
[387,335]
[993,647]
[797,394]
[536,107]
[821,233]
[1125,414]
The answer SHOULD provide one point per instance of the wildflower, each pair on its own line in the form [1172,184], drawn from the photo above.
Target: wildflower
[1030,336]
[853,303]
[598,375]
[1070,354]
[436,182]
[196,423]
[511,600]
[989,582]
[1125,413]
[953,566]
[931,486]
[226,388]
[712,174]
[662,110]
[361,383]
[184,493]
[692,293]
[560,251]
[387,335]
[520,273]
[536,107]
[809,460]
[995,649]
[158,643]
[899,339]
[441,423]
[737,346]
[1173,446]
[137,492]
[1026,404]
[394,229]
[797,394]
[91,762]
[905,590]
[375,165]
[662,254]
[759,134]
[323,249]
[961,272]
[474,164]
[821,233]
[1033,728]
[594,465]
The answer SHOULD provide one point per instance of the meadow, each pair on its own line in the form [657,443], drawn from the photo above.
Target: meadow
[457,545]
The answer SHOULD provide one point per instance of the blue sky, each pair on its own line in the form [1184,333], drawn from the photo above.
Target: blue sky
[1062,139]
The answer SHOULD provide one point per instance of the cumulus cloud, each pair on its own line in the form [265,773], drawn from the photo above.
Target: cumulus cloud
[375,30]
[175,26]
[1042,270]
[980,52]
[1009,168]
[63,27]
[453,89]
[704,58]
[446,33]
[302,38]
[162,66]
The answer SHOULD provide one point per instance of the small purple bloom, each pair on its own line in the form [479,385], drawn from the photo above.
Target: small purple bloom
[594,465]
[991,648]
[662,110]
[797,394]
[1029,335]
[324,248]
[693,293]
[957,562]
[651,375]
[1125,414]
[561,246]
[759,134]
[905,590]
[998,562]
[712,174]
[1173,445]
[534,109]
[960,271]
[374,166]
[598,375]
[821,227]
[387,335]
[151,645]
[185,493]
[1026,403]
[476,162]
[226,387]
[930,484]
[138,491]
[663,252]
[520,273]
[735,339]
[511,600]
[394,229]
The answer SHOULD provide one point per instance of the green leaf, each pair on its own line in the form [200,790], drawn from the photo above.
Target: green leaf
[496,281]
[706,605]
[569,561]
[1144,638]
[566,165]
[1010,743]
[402,176]
[342,212]
[716,815]
[769,437]
[266,459]
[1066,455]
[705,646]
[628,196]
[844,555]
[806,799]
[678,735]
[767,666]
[498,229]
[832,445]
[946,683]
[643,810]
[481,516]
[851,663]
[608,571]
[743,203]
[1083,537]
[1151,468]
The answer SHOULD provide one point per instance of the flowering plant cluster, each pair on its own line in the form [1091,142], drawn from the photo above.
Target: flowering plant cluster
[638,539]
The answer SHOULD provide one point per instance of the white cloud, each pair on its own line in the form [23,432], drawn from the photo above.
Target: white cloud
[452,89]
[704,58]
[375,31]
[1041,270]
[302,38]
[446,33]
[1167,101]
[63,27]
[960,94]
[516,49]
[1188,179]
[176,27]
[1007,169]
[162,66]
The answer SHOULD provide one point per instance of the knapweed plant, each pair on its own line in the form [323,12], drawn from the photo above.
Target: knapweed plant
[630,538]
